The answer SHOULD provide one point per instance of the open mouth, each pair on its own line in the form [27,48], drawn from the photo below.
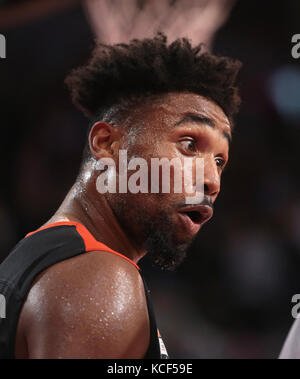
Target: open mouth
[195,216]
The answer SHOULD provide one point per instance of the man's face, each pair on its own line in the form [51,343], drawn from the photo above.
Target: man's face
[176,125]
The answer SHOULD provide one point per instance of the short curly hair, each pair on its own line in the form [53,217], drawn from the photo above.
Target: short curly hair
[118,73]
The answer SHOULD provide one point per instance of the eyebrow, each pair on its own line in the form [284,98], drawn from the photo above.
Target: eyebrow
[203,120]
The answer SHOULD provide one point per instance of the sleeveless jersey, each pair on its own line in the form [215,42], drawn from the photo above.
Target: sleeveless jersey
[38,251]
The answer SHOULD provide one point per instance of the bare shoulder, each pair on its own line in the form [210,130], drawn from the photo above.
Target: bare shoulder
[89,306]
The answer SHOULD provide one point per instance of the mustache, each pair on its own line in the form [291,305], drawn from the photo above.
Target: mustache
[207,201]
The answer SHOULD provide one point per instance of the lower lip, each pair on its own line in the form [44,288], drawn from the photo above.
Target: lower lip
[191,226]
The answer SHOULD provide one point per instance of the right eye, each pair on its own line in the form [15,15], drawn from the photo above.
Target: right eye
[189,145]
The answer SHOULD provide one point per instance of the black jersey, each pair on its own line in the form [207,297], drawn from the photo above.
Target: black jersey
[38,251]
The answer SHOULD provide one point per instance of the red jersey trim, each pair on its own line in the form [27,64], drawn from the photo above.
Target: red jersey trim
[91,244]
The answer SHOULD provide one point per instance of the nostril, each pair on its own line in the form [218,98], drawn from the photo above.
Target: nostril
[210,190]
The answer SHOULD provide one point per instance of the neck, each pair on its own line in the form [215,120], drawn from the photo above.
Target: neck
[85,205]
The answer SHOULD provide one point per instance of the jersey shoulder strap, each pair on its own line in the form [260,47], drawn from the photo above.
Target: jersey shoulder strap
[39,250]
[90,242]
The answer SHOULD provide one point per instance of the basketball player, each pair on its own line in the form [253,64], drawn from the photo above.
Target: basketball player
[73,287]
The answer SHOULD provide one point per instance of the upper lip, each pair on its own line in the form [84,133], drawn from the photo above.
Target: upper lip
[205,211]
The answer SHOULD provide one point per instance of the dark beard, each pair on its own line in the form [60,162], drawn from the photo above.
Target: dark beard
[156,235]
[162,251]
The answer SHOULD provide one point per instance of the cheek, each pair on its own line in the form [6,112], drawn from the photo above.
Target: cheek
[165,171]
[181,176]
[157,177]
[141,144]
[165,149]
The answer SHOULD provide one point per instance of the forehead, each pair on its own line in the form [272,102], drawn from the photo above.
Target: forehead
[169,108]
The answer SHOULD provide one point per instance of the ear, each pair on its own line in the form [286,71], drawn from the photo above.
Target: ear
[101,138]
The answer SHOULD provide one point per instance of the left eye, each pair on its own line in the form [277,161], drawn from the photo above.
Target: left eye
[220,162]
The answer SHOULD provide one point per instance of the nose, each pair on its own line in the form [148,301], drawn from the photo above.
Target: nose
[211,178]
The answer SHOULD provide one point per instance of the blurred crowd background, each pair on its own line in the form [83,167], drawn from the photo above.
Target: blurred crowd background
[232,296]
